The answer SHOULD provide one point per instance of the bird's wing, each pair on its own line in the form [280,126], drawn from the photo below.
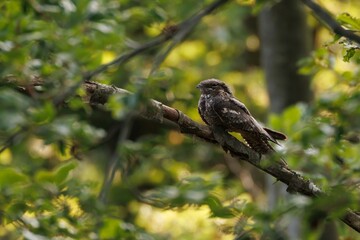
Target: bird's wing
[201,107]
[237,118]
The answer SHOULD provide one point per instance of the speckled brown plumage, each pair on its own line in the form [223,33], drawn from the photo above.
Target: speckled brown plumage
[219,108]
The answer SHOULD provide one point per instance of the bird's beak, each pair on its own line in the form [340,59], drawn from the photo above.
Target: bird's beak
[198,86]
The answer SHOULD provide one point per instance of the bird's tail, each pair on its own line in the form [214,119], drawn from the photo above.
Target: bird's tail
[257,142]
[261,145]
[275,134]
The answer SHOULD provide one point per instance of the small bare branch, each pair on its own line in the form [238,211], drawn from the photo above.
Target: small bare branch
[180,32]
[326,17]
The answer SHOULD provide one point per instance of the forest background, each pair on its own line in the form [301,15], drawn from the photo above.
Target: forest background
[82,158]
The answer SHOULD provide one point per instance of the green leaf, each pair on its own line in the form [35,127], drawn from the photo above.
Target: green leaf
[10,176]
[11,120]
[336,38]
[15,210]
[13,108]
[44,114]
[349,54]
[63,171]
[349,21]
[12,100]
[289,119]
[43,176]
[57,176]
[223,212]
[115,229]
[217,209]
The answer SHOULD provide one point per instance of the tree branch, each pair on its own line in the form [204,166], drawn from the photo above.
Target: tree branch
[177,33]
[99,93]
[325,16]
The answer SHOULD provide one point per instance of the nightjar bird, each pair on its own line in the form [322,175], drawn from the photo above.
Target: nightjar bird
[219,108]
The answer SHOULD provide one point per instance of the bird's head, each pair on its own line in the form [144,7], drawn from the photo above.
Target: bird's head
[213,86]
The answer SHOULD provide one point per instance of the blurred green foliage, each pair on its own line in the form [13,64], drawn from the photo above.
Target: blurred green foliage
[167,185]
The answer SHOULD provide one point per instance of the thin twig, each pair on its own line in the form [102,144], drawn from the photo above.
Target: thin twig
[326,17]
[115,159]
[123,58]
[182,28]
[11,139]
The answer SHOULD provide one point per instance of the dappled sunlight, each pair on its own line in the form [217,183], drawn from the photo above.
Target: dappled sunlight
[233,78]
[89,172]
[6,228]
[70,204]
[252,43]
[39,148]
[324,80]
[342,66]
[191,77]
[178,169]
[154,29]
[213,58]
[248,87]
[188,223]
[189,50]
[6,157]
[107,56]
[337,7]
[334,78]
